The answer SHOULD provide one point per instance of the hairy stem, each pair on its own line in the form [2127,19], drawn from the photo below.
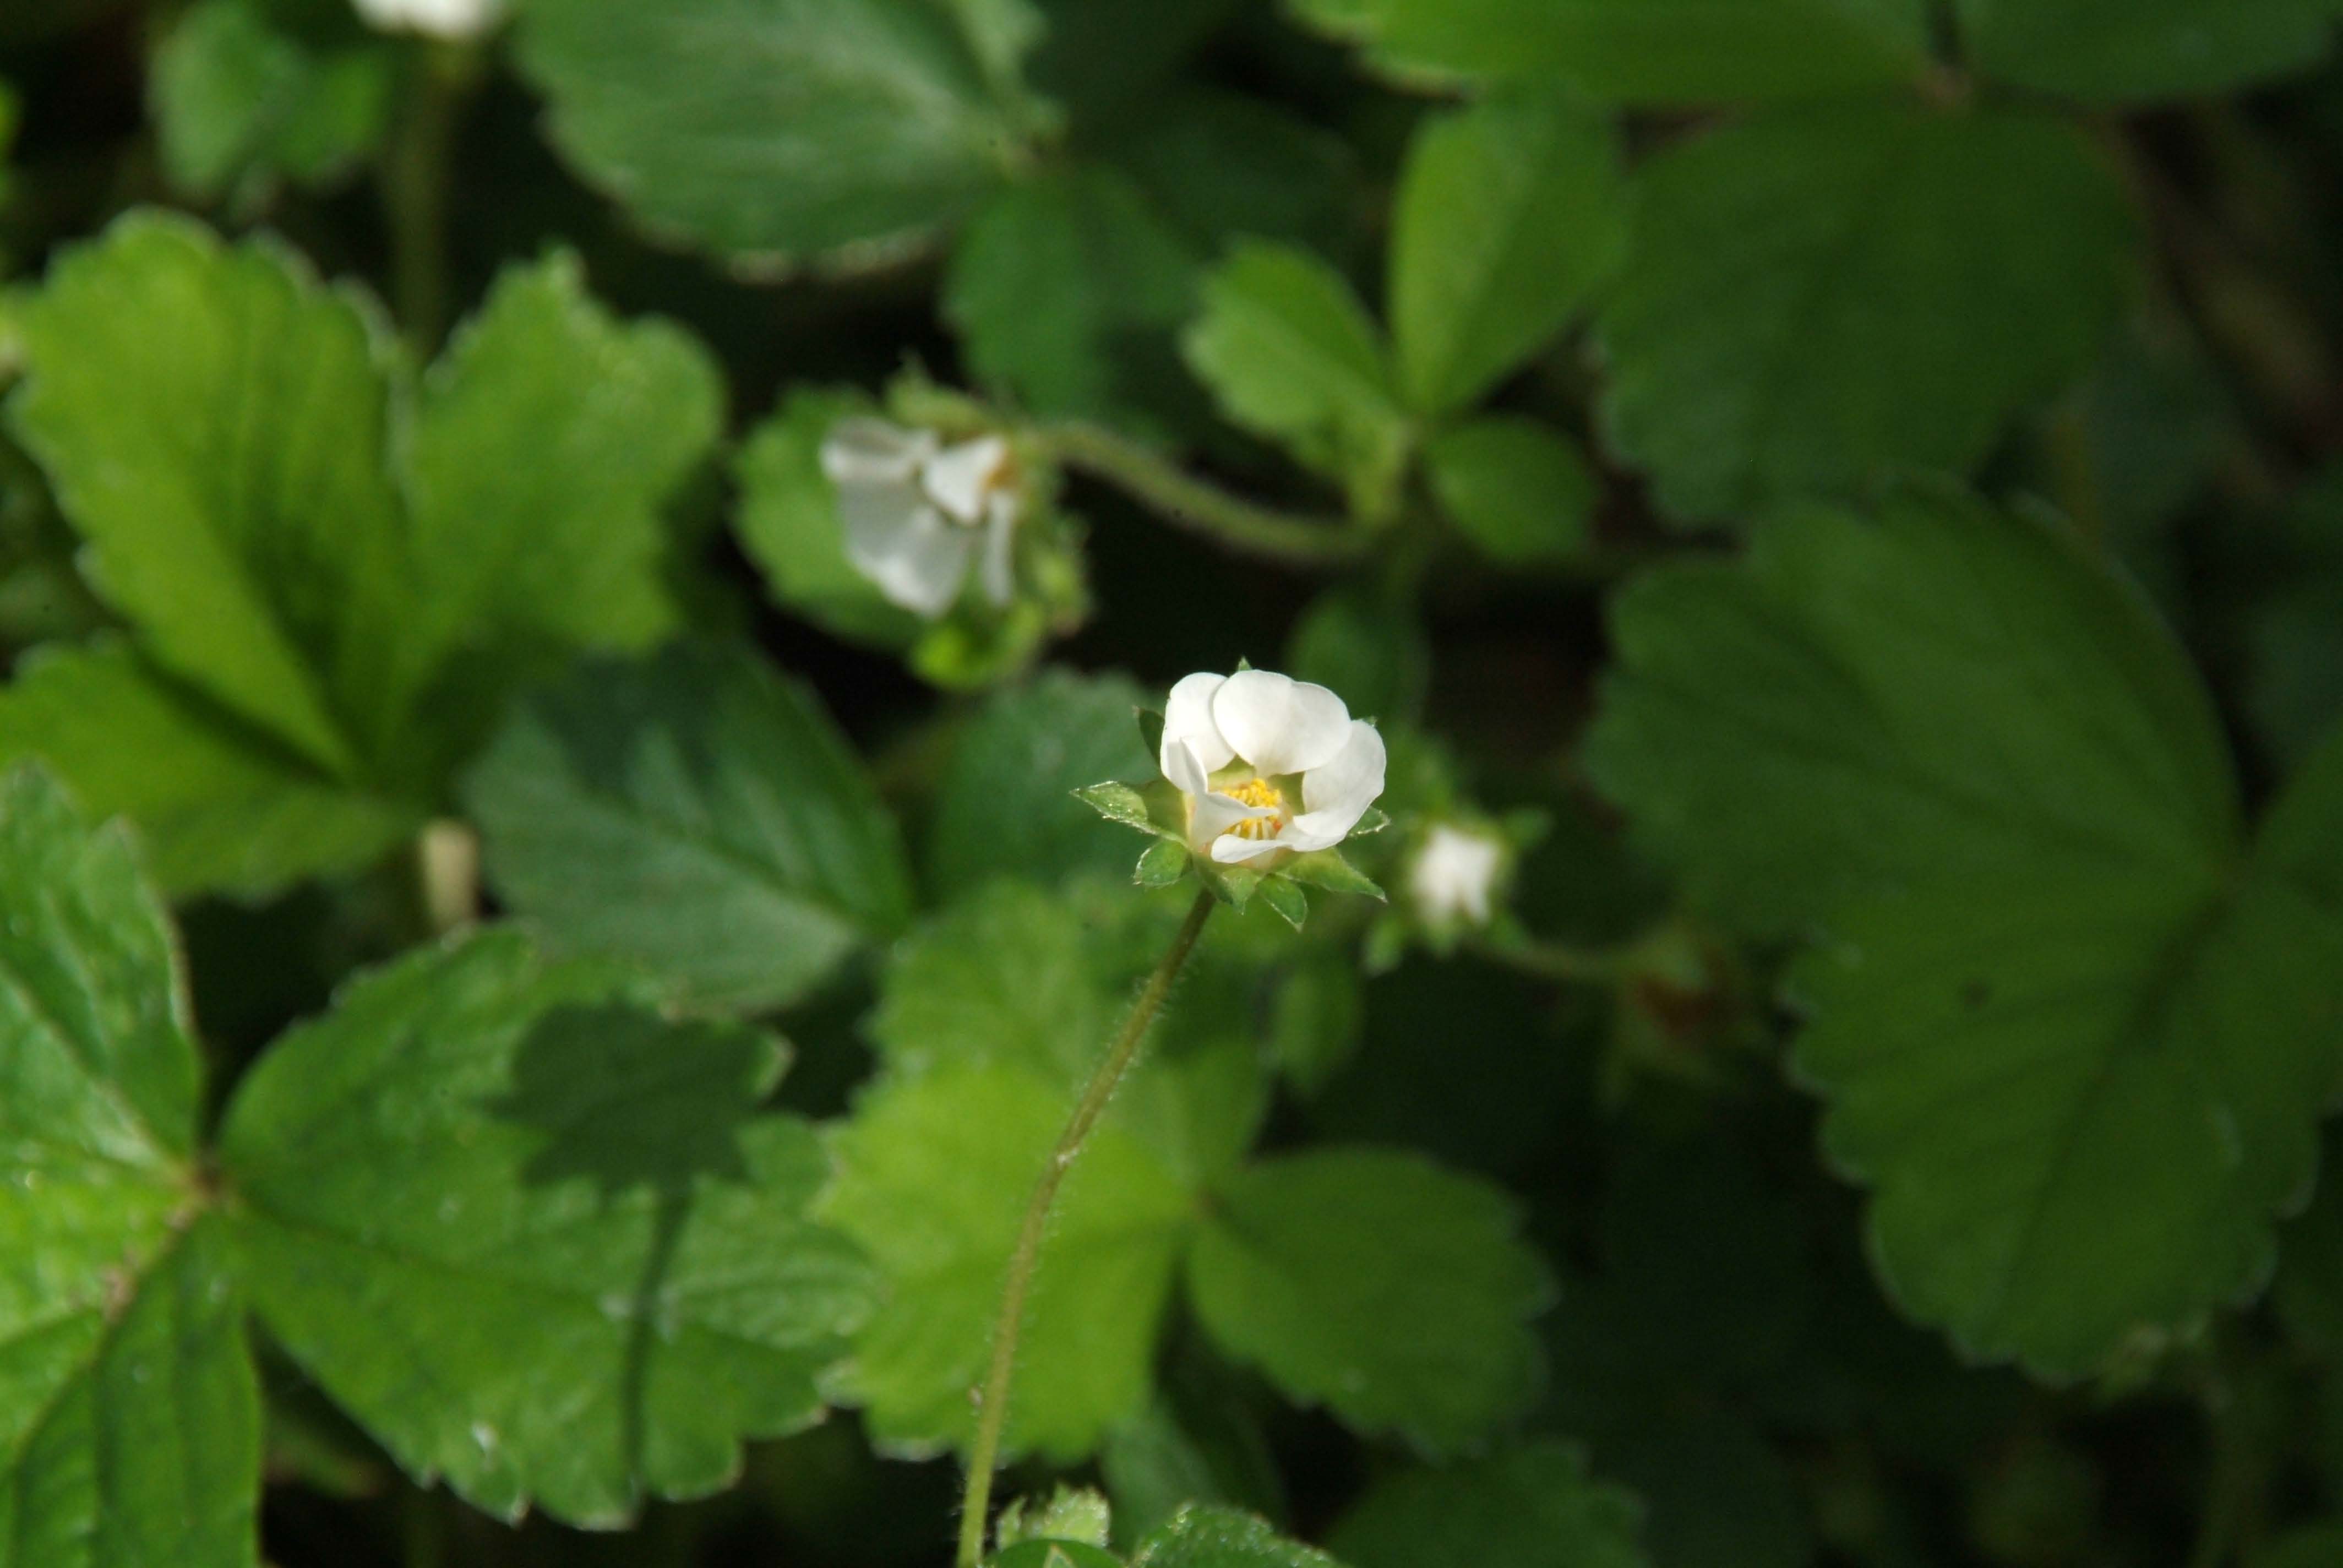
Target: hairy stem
[992,1400]
[1199,507]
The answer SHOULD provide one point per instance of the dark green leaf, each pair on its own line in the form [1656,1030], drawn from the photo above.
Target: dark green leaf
[1781,328]
[537,1238]
[2145,49]
[1516,487]
[697,815]
[1008,806]
[1534,1507]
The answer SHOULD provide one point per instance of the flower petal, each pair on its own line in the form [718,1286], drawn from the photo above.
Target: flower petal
[1279,724]
[863,450]
[904,546]
[958,476]
[1232,851]
[1337,794]
[996,569]
[1188,721]
[1210,816]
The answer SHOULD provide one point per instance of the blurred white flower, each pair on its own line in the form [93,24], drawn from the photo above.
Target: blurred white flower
[918,513]
[454,19]
[1454,875]
[1242,747]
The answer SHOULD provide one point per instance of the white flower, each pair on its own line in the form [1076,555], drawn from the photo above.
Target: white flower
[1454,875]
[913,509]
[1242,746]
[456,19]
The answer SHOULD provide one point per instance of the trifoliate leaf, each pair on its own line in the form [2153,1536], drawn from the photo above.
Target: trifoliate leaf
[1516,488]
[1645,51]
[839,132]
[2073,1038]
[1066,292]
[1007,804]
[219,805]
[697,815]
[538,1240]
[1510,212]
[1392,1291]
[546,440]
[1290,355]
[1210,1537]
[129,1427]
[1534,1507]
[237,510]
[934,1175]
[2145,50]
[1782,326]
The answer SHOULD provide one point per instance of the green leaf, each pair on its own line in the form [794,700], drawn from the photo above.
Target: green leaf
[789,524]
[934,1173]
[535,1238]
[1055,1555]
[1220,164]
[1782,327]
[1533,1507]
[239,103]
[2143,50]
[235,509]
[1327,869]
[1391,1291]
[1368,644]
[1200,1441]
[1290,355]
[2072,1042]
[840,132]
[1287,899]
[1163,863]
[697,815]
[1646,51]
[1516,488]
[1066,291]
[1209,1537]
[545,441]
[1510,212]
[129,1428]
[219,805]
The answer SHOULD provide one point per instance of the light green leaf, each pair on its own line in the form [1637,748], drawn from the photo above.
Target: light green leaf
[537,1239]
[789,524]
[1007,804]
[1516,487]
[1645,51]
[545,441]
[1290,354]
[212,420]
[841,132]
[1392,1291]
[219,804]
[2130,51]
[1782,327]
[1510,212]
[2072,1040]
[1066,290]
[1533,1507]
[1210,1537]
[934,1173]
[239,103]
[697,815]
[128,1423]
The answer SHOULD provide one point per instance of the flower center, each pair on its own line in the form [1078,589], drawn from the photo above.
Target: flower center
[1257,792]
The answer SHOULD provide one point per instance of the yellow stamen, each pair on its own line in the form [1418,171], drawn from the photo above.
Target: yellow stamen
[1256,792]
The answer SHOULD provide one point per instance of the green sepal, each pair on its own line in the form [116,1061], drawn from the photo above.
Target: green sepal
[1327,869]
[1078,1514]
[1164,863]
[1118,803]
[1285,896]
[1232,885]
[1374,821]
[1151,729]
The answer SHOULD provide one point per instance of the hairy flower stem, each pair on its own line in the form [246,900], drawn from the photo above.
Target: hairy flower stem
[992,1401]
[1201,507]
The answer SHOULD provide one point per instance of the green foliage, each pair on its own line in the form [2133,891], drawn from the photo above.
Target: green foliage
[1967,757]
[696,816]
[1534,1507]
[1780,328]
[1205,1537]
[535,1238]
[840,133]
[1521,493]
[2146,49]
[239,103]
